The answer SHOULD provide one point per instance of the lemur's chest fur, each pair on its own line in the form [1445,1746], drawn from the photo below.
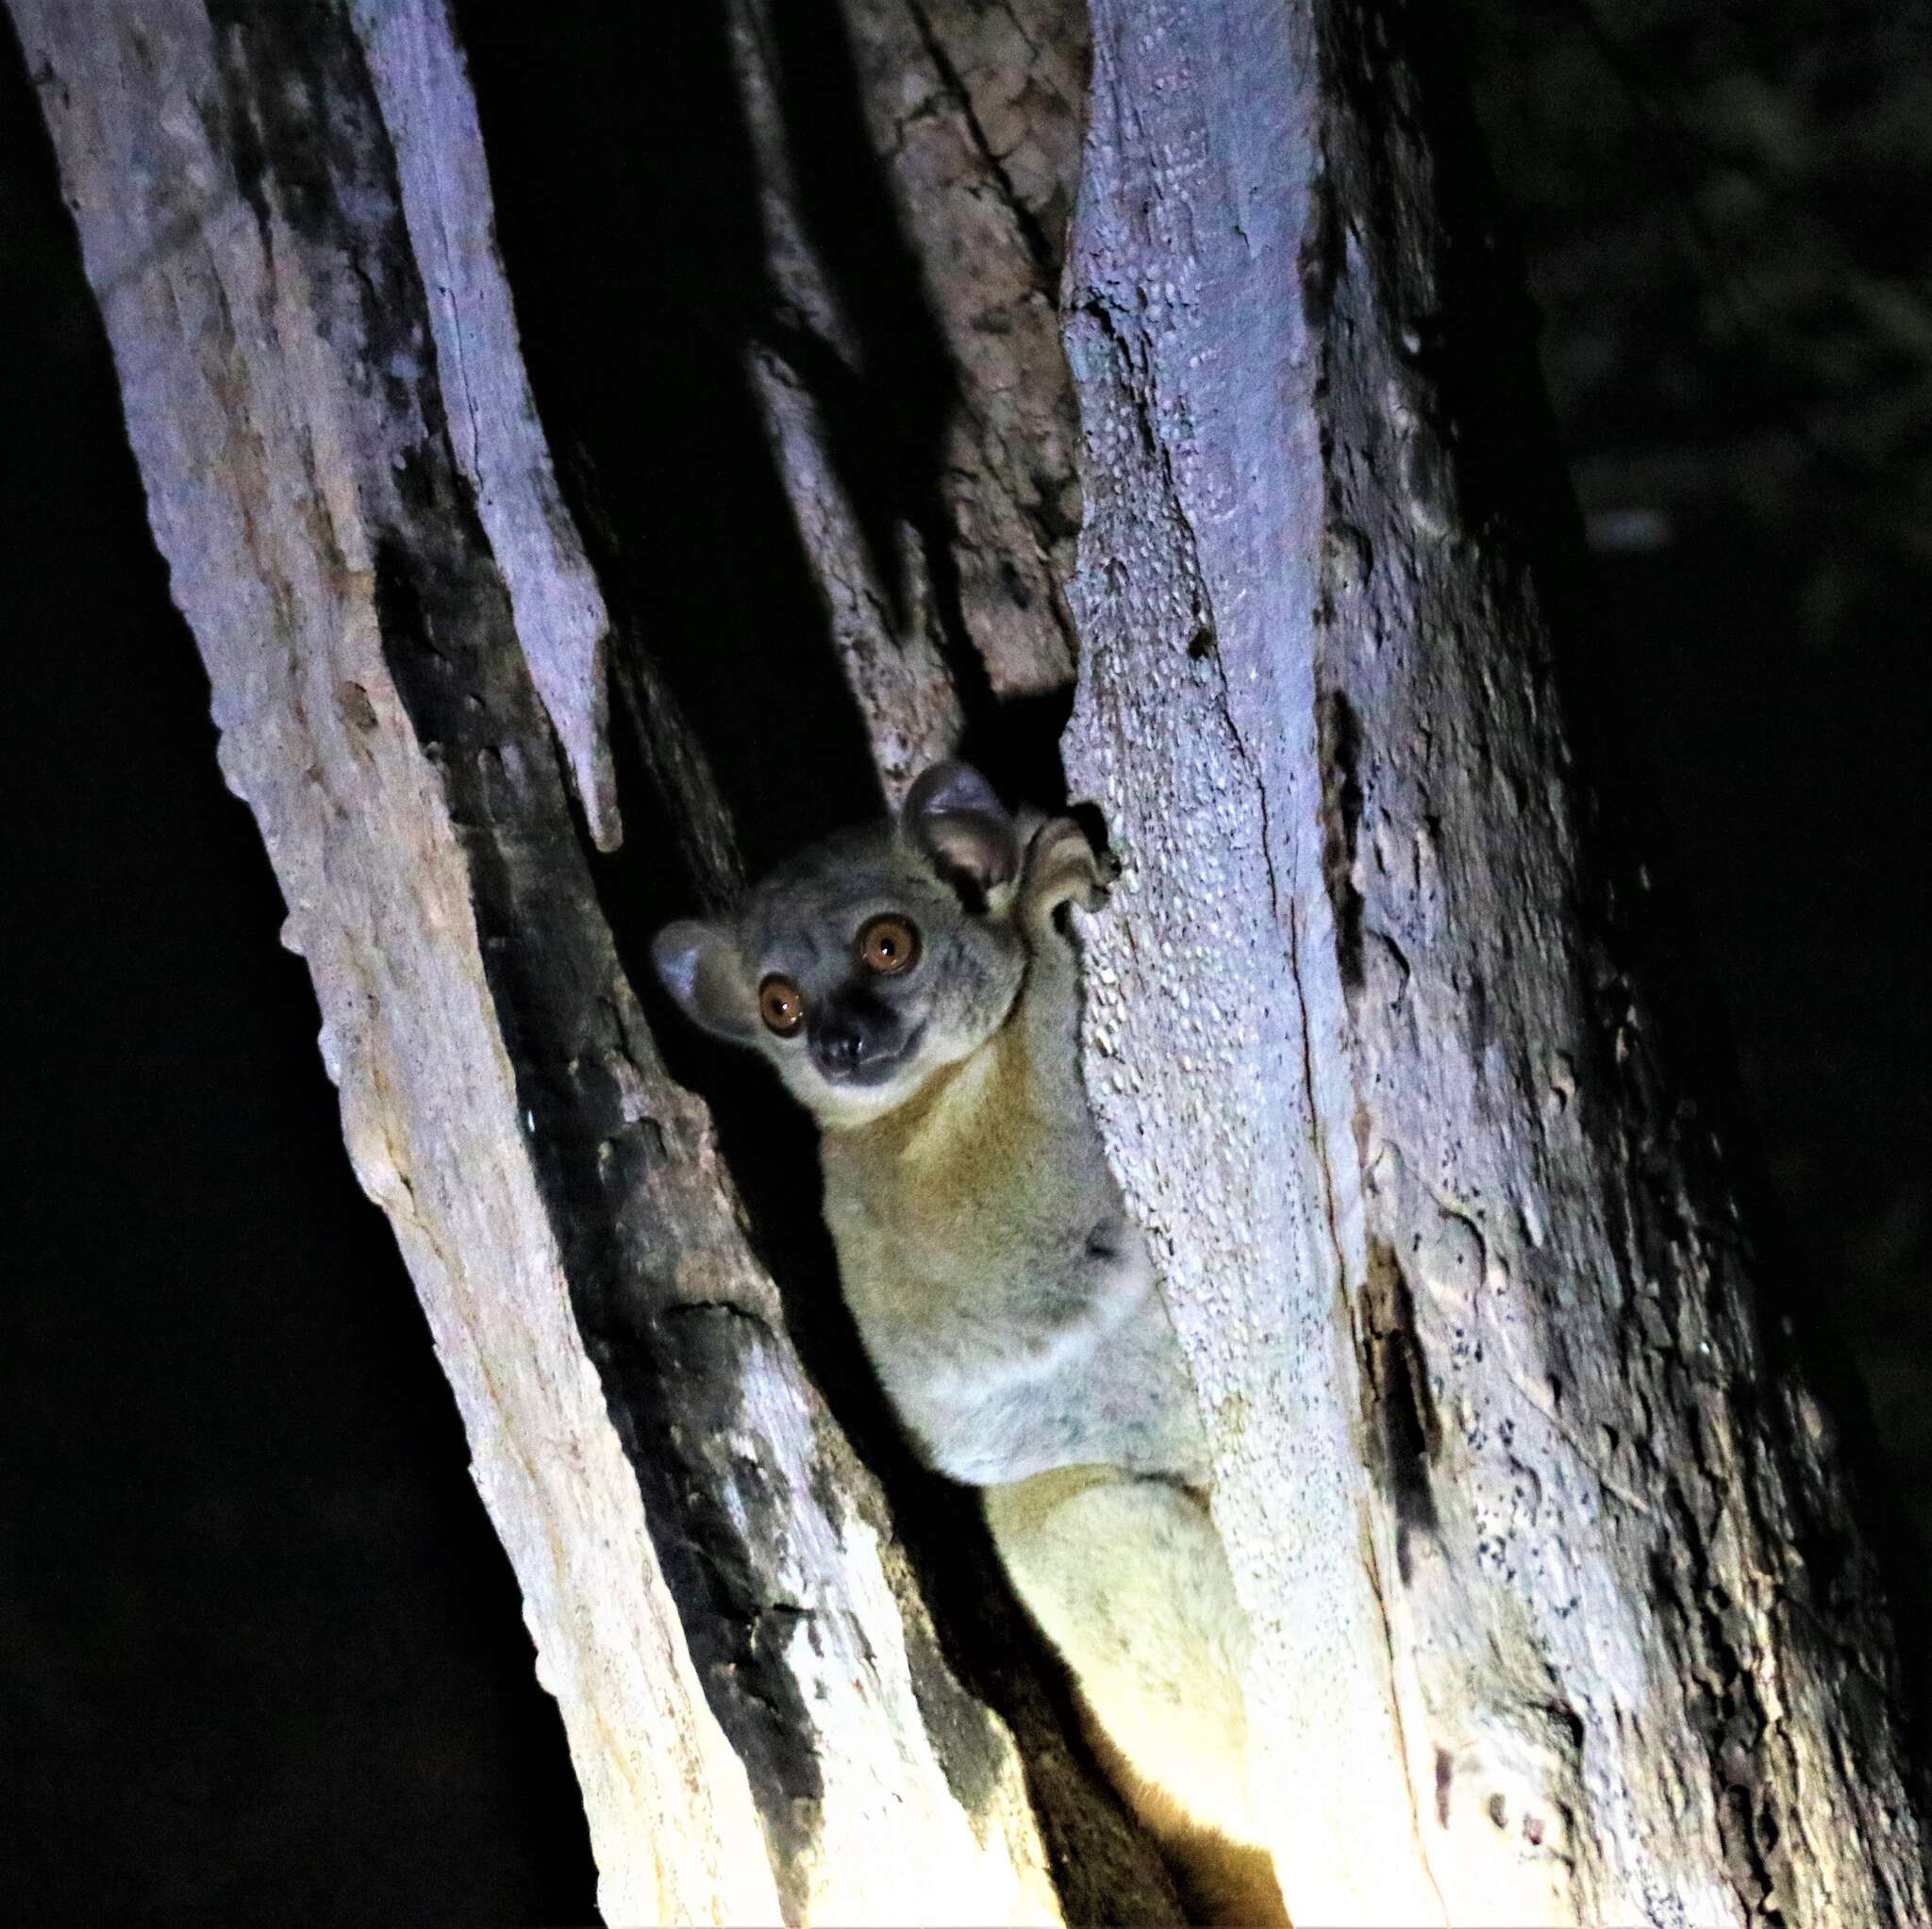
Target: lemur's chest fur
[920,1202]
[1014,1325]
[940,1162]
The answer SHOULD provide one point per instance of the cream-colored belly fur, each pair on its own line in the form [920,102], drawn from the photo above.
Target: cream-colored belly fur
[1127,1578]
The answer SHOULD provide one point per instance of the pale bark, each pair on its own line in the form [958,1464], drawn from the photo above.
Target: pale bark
[1561,1616]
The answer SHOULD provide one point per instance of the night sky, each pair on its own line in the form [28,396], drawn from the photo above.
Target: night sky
[259,1650]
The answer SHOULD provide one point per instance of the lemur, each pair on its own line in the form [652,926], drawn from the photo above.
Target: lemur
[918,993]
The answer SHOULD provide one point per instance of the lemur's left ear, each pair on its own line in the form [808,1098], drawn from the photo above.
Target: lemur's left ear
[701,968]
[952,815]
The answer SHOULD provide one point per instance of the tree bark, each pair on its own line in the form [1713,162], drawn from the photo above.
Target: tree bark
[955,614]
[1561,1605]
[1561,1613]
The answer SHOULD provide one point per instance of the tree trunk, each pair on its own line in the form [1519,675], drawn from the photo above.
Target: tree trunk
[285,216]
[1562,1615]
[1560,1605]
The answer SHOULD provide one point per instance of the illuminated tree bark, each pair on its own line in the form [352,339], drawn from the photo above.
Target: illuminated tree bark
[1562,1609]
[1562,1617]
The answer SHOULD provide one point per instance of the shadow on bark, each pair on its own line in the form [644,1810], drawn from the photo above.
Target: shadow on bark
[1857,1548]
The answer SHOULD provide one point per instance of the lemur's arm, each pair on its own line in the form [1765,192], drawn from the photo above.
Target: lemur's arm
[1061,868]
[1042,1325]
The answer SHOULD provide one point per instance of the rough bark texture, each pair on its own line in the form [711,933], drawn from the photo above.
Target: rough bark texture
[1562,1615]
[1561,1609]
[285,216]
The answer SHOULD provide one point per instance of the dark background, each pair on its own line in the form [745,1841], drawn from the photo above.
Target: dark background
[259,1650]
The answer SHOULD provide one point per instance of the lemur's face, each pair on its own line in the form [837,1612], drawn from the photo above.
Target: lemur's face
[871,961]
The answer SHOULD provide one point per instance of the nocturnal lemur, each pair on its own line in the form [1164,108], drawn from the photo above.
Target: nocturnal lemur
[918,995]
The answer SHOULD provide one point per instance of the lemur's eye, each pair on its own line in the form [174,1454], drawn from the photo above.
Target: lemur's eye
[781,1005]
[888,944]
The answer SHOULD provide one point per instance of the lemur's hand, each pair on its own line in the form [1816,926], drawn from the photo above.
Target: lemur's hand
[1062,867]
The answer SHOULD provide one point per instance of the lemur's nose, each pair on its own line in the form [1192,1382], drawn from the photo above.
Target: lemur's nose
[840,1044]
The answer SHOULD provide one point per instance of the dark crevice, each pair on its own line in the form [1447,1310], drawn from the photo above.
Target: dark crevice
[886,424]
[631,233]
[629,226]
[1400,1426]
[1338,746]
[886,418]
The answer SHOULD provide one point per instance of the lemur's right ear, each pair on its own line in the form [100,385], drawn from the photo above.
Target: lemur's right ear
[701,968]
[952,815]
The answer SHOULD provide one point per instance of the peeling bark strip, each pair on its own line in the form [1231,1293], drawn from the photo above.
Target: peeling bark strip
[286,224]
[1594,1641]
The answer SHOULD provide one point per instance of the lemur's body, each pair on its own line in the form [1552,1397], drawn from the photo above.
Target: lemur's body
[915,993]
[1074,1360]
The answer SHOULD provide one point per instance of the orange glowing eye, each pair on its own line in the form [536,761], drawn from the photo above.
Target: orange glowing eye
[781,1005]
[888,944]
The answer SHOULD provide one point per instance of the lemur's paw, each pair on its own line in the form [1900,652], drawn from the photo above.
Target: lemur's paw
[1062,867]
